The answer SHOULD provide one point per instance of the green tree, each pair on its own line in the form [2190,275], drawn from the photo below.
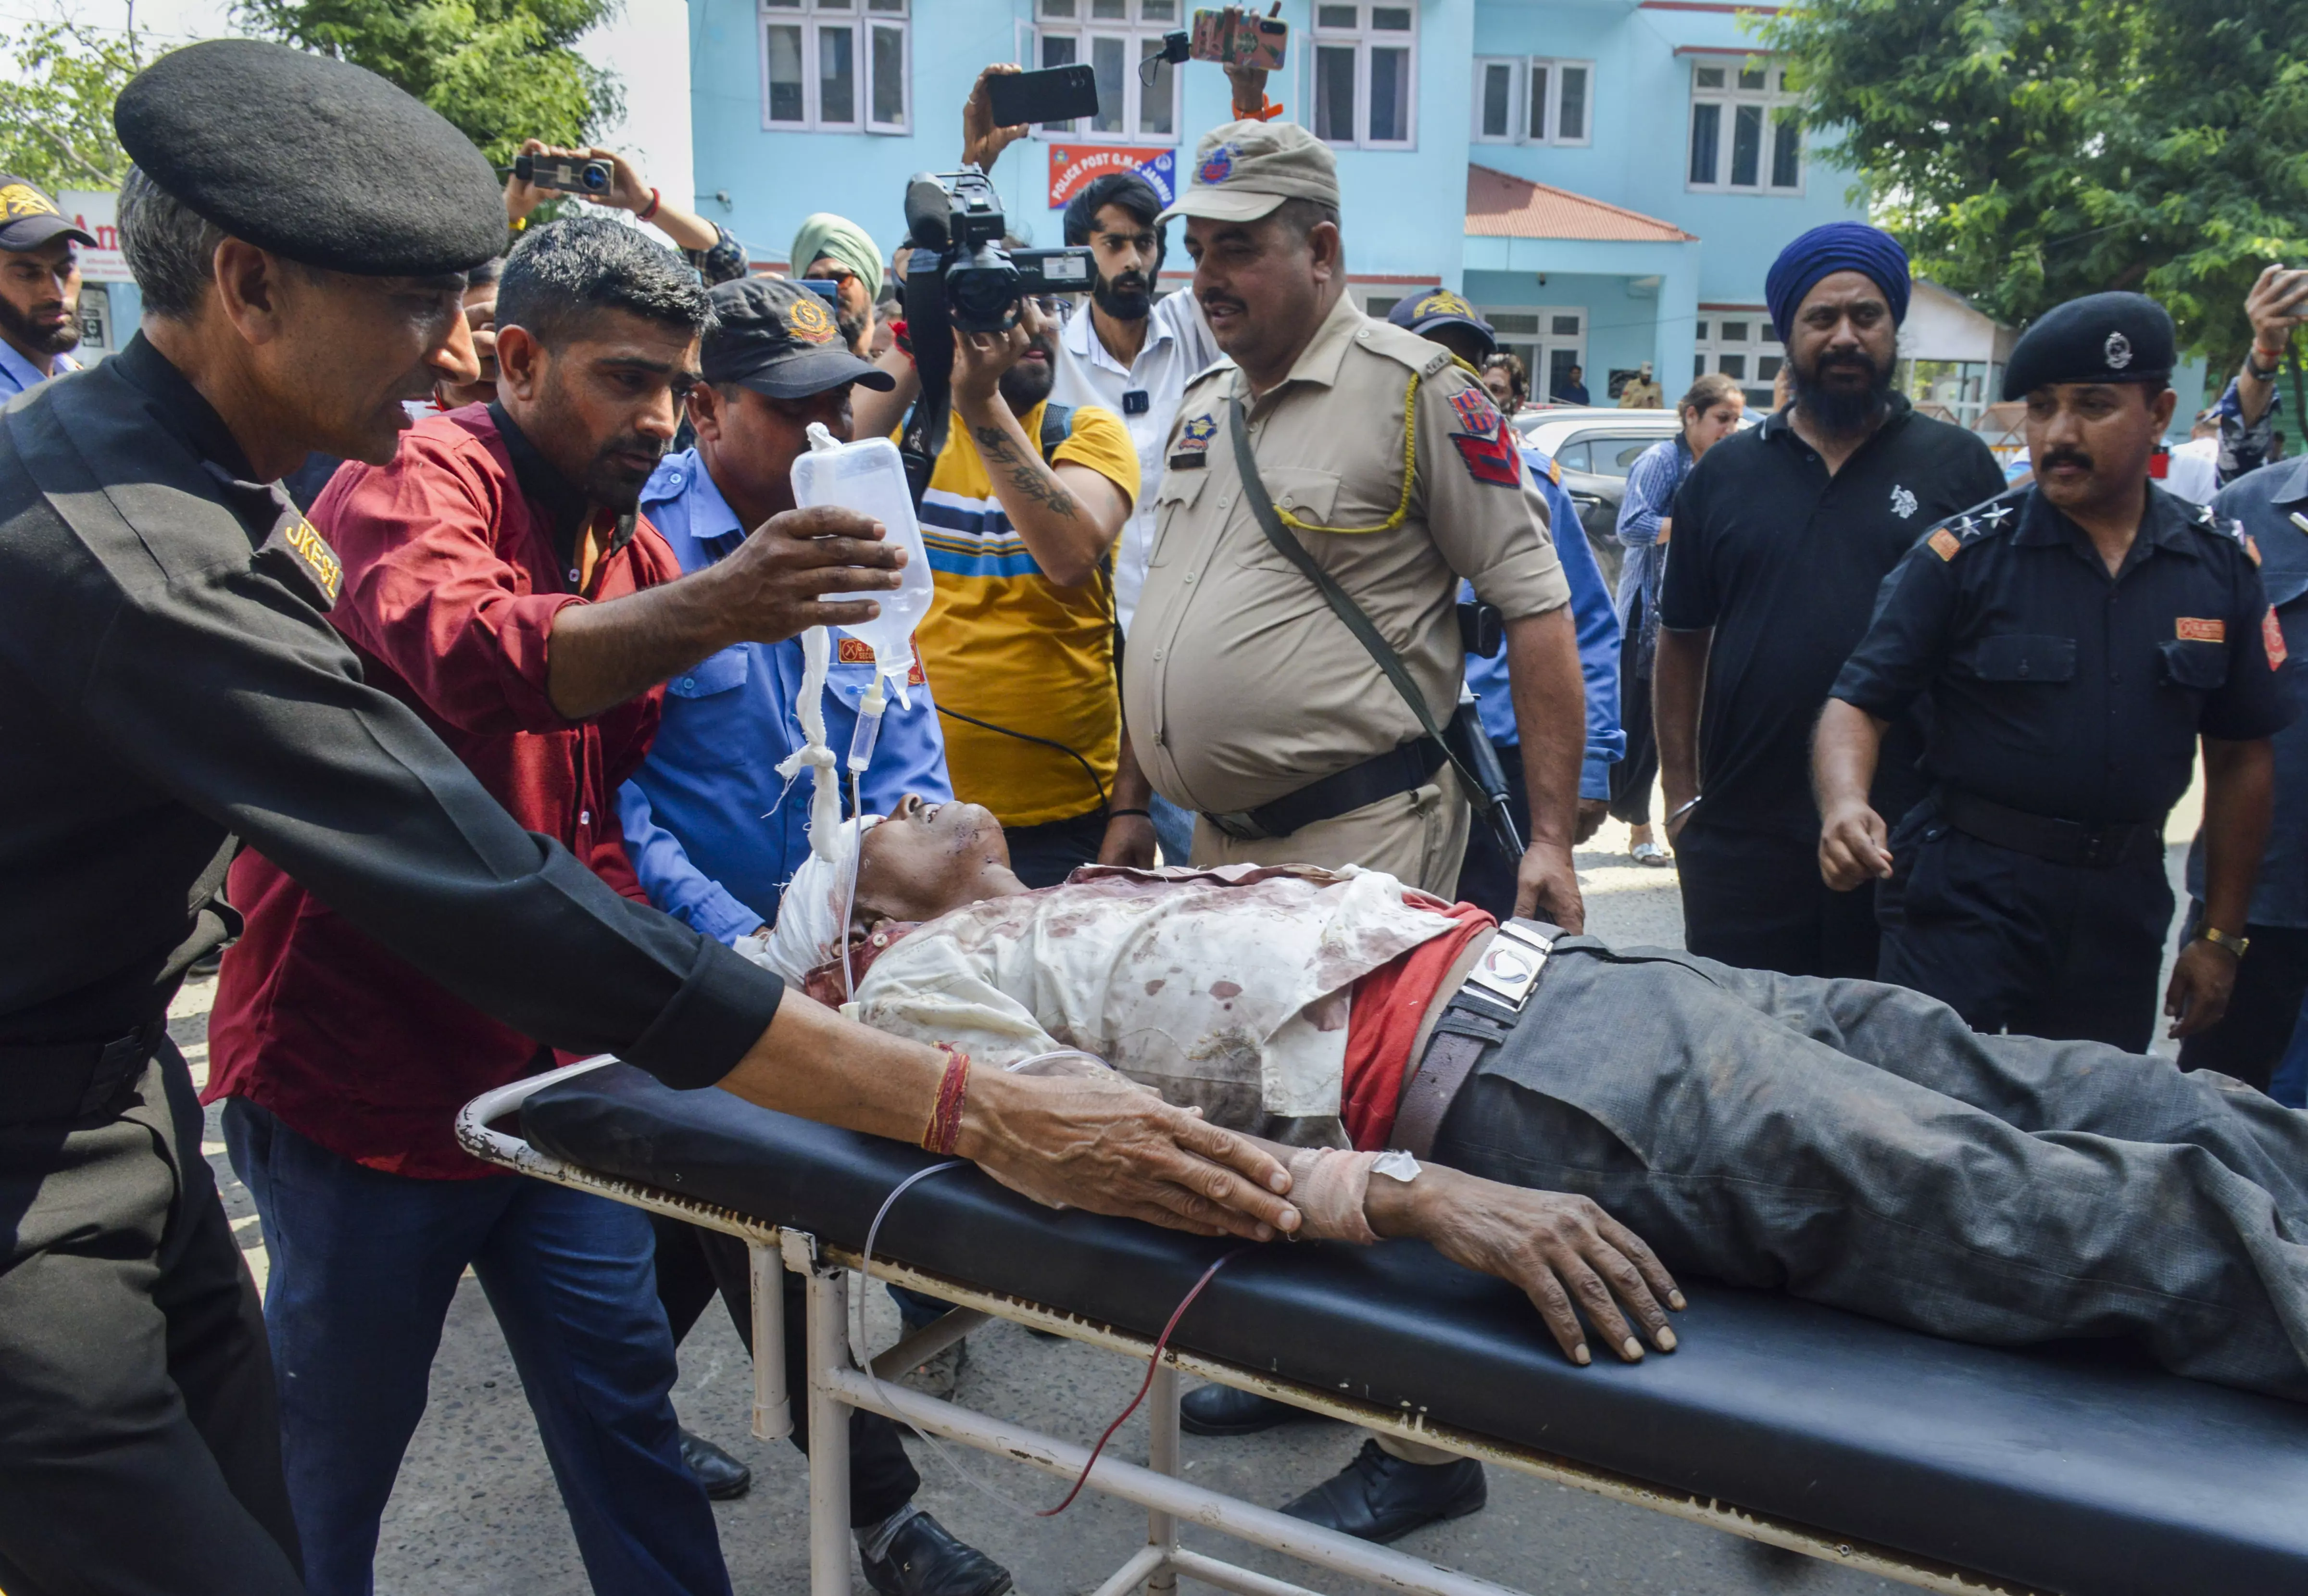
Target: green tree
[55,105]
[2027,152]
[500,70]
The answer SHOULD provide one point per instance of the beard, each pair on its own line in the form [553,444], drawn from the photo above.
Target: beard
[1128,298]
[21,330]
[1029,383]
[852,328]
[1841,409]
[616,475]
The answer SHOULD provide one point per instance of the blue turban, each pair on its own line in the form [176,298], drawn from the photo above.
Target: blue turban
[1837,246]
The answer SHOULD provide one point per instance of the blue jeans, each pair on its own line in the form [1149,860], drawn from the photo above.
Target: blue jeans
[364,1265]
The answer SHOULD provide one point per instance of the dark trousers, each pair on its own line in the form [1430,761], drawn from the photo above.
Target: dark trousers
[1045,855]
[1486,876]
[2249,1041]
[1756,900]
[1861,1145]
[364,1266]
[140,1442]
[2014,942]
[1633,778]
[691,1264]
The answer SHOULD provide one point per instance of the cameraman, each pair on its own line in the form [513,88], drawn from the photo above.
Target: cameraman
[1025,503]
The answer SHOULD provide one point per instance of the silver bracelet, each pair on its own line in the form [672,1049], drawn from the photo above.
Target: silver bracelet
[1681,810]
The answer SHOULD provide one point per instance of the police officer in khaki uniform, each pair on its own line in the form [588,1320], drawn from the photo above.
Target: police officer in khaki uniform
[1247,697]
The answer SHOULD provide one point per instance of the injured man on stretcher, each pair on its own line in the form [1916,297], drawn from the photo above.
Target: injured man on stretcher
[1849,1141]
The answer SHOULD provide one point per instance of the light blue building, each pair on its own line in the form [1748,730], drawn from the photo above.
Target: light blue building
[1607,178]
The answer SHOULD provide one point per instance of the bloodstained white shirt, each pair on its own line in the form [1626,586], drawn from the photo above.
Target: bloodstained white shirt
[1225,989]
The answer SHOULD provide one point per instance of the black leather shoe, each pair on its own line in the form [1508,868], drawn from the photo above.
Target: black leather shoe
[723,1477]
[925,1559]
[1379,1497]
[1223,1410]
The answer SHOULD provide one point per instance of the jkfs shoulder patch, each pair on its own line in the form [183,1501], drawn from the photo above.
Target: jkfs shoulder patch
[297,551]
[2271,639]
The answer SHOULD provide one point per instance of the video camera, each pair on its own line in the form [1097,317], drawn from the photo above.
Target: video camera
[958,278]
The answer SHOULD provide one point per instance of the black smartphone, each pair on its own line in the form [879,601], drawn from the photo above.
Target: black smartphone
[1057,94]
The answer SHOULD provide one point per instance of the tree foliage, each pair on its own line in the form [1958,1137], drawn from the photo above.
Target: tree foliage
[500,70]
[2027,152]
[56,103]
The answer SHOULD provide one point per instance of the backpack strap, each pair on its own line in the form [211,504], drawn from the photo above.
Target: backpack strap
[1057,427]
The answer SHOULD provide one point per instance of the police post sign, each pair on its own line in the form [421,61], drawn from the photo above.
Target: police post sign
[1073,167]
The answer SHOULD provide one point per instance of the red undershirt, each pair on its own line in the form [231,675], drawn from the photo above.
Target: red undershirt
[1387,1007]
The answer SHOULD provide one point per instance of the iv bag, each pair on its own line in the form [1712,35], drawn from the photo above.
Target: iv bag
[869,478]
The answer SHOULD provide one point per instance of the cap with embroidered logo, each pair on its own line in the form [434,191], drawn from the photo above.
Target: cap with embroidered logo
[1242,170]
[777,337]
[29,218]
[1439,308]
[2100,338]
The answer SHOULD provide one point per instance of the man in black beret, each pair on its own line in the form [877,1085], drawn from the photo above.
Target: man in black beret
[2077,637]
[170,682]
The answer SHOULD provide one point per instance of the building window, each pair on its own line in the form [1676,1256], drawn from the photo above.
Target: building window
[1112,37]
[1744,346]
[1365,74]
[1532,99]
[1743,137]
[836,65]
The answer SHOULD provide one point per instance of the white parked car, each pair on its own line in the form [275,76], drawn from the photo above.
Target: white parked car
[1596,448]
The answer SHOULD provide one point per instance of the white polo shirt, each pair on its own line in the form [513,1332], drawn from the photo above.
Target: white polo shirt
[1178,345]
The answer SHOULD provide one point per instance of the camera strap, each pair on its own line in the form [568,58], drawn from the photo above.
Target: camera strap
[1358,622]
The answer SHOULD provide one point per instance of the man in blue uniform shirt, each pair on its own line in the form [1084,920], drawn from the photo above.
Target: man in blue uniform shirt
[715,832]
[39,287]
[2075,639]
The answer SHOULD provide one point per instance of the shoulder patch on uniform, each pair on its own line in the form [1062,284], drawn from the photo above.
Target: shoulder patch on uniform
[1476,413]
[1485,441]
[297,550]
[1944,543]
[2189,629]
[2251,549]
[2271,639]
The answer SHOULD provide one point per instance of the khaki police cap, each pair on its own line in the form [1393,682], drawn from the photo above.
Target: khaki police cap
[1244,170]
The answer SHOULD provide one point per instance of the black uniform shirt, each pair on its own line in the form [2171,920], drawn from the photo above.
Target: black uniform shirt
[1784,561]
[2061,690]
[168,680]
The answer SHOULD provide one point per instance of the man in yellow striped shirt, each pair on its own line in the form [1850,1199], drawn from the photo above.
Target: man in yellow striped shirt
[1023,508]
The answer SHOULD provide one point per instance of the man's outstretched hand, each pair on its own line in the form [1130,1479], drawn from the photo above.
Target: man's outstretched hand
[1567,1255]
[1112,1147]
[981,142]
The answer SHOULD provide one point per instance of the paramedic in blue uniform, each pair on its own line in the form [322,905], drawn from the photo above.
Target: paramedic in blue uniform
[1486,879]
[2075,638]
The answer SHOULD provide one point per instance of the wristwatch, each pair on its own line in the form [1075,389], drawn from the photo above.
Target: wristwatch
[2218,938]
[2252,365]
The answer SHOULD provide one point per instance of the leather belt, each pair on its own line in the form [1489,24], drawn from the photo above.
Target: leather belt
[1404,768]
[1478,1015]
[2059,842]
[72,1079]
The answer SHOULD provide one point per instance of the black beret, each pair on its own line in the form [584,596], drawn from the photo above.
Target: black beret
[2100,338]
[312,158]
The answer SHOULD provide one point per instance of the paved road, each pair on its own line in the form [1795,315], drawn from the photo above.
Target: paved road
[476,1512]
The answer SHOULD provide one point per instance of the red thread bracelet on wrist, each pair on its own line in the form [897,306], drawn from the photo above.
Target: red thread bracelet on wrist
[1265,113]
[944,1128]
[650,210]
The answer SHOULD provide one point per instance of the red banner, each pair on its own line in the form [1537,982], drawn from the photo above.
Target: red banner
[1074,166]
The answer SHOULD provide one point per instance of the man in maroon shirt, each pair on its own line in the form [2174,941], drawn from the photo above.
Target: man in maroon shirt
[499,580]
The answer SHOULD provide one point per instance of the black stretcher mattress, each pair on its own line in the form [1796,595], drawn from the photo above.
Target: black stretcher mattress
[2080,1468]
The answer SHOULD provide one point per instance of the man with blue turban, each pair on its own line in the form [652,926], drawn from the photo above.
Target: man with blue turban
[1779,538]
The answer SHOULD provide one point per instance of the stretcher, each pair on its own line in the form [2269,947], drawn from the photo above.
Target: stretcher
[2078,1469]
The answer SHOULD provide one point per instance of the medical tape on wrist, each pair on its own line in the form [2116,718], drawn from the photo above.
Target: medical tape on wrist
[1329,1185]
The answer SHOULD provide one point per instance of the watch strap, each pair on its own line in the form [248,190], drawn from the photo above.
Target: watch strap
[2219,938]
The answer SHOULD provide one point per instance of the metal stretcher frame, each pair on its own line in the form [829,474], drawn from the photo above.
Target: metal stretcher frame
[835,1382]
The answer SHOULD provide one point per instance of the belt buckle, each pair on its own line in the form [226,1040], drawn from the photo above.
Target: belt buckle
[1239,824]
[1509,967]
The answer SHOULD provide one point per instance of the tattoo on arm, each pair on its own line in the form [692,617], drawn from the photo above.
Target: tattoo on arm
[1027,476]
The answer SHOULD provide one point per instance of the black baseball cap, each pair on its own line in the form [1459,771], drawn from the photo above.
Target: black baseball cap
[777,337]
[30,218]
